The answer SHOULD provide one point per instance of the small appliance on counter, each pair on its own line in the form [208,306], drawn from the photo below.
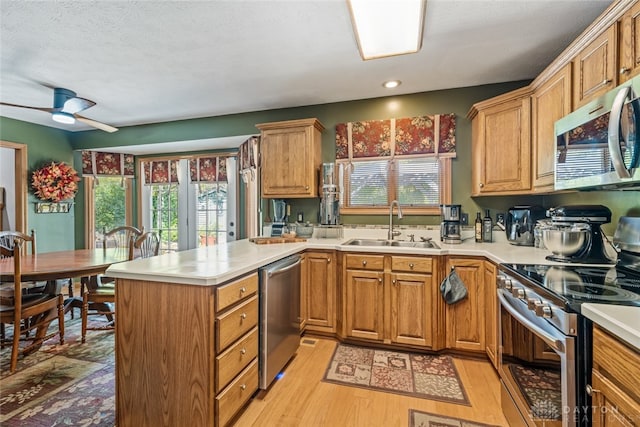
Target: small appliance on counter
[330,195]
[520,224]
[279,213]
[574,234]
[450,225]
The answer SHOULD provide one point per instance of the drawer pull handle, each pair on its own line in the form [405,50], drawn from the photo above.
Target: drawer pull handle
[624,70]
[243,351]
[380,281]
[364,262]
[243,290]
[243,386]
[393,281]
[306,187]
[606,81]
[243,316]
[411,266]
[591,391]
[328,260]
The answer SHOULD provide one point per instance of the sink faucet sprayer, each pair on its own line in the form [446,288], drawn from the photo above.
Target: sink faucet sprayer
[391,232]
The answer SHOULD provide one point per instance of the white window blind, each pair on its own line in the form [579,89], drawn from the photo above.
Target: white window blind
[368,183]
[418,182]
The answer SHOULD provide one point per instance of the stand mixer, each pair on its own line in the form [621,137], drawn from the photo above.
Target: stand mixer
[575,235]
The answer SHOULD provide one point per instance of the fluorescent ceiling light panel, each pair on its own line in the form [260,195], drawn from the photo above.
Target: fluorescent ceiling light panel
[387,27]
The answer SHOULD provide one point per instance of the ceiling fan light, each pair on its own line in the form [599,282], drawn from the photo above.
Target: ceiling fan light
[387,28]
[62,117]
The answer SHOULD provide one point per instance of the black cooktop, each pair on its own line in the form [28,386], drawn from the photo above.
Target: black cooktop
[574,285]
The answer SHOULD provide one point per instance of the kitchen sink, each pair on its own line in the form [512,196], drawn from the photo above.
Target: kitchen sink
[394,243]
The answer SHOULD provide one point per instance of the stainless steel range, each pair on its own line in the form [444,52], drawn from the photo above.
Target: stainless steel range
[545,343]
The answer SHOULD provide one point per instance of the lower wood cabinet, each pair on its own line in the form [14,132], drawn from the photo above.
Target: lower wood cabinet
[196,358]
[319,286]
[390,299]
[465,320]
[491,312]
[615,390]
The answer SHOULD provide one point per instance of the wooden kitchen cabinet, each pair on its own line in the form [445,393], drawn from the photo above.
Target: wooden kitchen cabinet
[290,157]
[594,68]
[629,44]
[465,320]
[501,144]
[319,282]
[390,299]
[549,102]
[614,384]
[491,313]
[197,358]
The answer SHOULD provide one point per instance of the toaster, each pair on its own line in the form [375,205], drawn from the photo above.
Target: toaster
[520,223]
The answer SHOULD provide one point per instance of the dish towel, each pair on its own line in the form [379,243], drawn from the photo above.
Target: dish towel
[453,288]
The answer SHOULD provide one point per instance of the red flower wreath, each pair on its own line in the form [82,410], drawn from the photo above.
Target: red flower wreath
[55,182]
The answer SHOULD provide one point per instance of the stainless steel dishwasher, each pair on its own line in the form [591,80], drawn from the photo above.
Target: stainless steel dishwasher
[279,316]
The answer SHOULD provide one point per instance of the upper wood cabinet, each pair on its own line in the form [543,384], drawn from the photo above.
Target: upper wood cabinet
[594,68]
[549,102]
[501,144]
[290,156]
[629,44]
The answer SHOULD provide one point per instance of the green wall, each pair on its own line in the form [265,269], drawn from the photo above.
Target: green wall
[48,143]
[54,231]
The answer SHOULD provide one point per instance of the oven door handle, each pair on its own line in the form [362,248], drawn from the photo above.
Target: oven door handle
[547,337]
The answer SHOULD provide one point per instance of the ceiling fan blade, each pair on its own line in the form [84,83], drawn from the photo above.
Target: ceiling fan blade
[75,105]
[45,109]
[95,124]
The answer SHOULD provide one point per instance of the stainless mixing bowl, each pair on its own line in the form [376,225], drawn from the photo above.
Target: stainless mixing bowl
[565,242]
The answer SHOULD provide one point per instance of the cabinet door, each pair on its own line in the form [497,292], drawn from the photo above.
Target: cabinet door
[504,148]
[611,406]
[304,286]
[412,310]
[365,304]
[594,68]
[491,314]
[549,103]
[465,319]
[629,44]
[321,284]
[285,162]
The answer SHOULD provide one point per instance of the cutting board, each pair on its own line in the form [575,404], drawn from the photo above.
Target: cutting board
[269,240]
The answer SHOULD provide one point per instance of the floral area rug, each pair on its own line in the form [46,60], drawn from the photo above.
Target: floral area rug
[425,419]
[61,385]
[419,375]
[541,388]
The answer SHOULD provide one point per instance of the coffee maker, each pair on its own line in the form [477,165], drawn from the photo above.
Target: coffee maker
[575,236]
[330,195]
[450,225]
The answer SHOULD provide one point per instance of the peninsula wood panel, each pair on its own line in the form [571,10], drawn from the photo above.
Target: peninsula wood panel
[321,291]
[629,44]
[491,313]
[549,103]
[465,319]
[164,375]
[594,68]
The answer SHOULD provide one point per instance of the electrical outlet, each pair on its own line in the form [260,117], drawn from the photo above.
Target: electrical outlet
[464,219]
[500,218]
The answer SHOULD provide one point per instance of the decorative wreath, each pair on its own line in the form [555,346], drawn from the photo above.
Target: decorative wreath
[55,182]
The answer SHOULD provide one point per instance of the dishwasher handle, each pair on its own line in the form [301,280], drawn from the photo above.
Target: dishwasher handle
[279,270]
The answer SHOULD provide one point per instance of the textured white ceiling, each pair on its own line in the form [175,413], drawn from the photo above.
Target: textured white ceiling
[154,61]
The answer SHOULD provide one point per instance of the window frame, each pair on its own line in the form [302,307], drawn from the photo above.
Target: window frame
[445,175]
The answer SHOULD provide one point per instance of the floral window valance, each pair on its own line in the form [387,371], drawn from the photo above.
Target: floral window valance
[208,169]
[160,172]
[97,163]
[427,136]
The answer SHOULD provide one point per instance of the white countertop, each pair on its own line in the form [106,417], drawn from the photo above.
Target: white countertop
[622,321]
[218,264]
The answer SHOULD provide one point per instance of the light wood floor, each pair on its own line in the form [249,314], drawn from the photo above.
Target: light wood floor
[300,398]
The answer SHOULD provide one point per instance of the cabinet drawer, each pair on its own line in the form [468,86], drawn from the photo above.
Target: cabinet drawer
[412,264]
[236,358]
[235,323]
[232,398]
[227,295]
[364,262]
[616,361]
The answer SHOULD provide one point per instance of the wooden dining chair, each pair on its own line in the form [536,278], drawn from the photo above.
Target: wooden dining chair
[28,312]
[100,300]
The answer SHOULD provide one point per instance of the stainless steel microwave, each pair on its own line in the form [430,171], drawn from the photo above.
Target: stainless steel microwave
[598,145]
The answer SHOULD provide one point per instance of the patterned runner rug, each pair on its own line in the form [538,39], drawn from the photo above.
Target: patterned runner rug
[70,384]
[413,374]
[541,388]
[425,419]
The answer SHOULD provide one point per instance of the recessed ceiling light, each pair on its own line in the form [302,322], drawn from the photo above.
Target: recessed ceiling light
[391,84]
[387,27]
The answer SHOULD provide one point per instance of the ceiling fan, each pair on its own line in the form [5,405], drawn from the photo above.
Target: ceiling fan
[66,106]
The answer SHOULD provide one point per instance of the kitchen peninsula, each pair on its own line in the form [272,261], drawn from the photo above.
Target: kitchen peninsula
[186,343]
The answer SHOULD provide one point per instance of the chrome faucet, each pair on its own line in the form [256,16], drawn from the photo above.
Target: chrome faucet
[391,232]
